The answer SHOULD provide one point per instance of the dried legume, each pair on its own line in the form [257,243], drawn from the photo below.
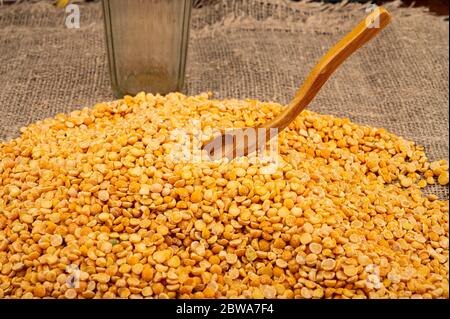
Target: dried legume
[342,215]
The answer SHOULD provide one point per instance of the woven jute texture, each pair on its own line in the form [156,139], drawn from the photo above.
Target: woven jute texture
[257,49]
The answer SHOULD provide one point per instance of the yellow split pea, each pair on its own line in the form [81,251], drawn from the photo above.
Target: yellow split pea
[111,191]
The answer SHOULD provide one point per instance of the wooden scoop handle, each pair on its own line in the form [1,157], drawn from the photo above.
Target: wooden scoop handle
[231,145]
[363,33]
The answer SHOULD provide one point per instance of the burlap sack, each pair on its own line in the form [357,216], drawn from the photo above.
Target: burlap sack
[257,49]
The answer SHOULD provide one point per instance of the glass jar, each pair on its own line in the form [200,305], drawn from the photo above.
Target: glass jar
[147,44]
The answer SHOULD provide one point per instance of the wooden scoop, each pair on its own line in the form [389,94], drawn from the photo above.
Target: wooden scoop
[241,142]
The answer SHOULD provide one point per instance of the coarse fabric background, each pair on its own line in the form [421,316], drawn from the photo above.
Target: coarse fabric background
[258,49]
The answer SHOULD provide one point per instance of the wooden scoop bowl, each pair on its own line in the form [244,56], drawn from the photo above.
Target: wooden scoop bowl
[241,142]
